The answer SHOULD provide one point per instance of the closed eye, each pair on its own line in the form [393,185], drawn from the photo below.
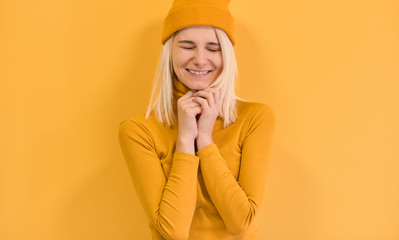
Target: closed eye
[188,48]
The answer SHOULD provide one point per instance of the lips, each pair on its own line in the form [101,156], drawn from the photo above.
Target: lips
[196,72]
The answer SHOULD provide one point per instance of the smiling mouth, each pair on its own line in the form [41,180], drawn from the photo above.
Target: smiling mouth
[198,72]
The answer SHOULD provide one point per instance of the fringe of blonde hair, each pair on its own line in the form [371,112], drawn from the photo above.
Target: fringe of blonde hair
[162,91]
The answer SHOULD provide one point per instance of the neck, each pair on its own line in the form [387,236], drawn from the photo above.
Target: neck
[179,90]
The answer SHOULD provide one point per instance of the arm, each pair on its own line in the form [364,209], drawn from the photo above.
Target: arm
[238,201]
[169,203]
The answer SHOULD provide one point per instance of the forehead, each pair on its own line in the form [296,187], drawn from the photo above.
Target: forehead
[197,34]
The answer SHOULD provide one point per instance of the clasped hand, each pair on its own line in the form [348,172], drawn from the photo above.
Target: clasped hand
[205,104]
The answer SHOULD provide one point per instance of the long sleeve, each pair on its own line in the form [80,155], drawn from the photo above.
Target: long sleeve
[238,200]
[168,202]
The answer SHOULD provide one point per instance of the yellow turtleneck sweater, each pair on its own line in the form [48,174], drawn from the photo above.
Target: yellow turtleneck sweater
[213,195]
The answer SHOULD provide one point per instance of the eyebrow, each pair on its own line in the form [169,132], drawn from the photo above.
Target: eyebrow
[191,42]
[213,43]
[186,41]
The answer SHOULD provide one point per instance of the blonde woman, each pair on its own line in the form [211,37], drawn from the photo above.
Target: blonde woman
[198,157]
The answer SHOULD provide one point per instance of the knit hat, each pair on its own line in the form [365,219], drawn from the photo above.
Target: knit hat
[186,13]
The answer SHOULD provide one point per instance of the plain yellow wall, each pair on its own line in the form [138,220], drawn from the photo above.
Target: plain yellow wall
[72,70]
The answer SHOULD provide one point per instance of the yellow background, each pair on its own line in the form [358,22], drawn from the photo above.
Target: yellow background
[72,70]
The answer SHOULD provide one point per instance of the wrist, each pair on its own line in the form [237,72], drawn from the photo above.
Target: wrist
[185,145]
[203,141]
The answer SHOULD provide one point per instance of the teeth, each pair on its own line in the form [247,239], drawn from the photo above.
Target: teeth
[198,73]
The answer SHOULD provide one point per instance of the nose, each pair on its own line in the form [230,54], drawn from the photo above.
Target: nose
[199,58]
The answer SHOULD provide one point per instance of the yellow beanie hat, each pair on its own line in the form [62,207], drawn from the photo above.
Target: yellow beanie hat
[186,13]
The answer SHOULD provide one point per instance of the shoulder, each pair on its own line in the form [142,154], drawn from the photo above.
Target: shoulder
[135,121]
[140,126]
[140,121]
[136,127]
[135,135]
[255,111]
[257,119]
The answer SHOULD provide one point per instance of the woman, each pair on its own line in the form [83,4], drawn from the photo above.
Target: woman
[198,157]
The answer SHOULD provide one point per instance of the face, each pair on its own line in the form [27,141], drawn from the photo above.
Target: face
[197,56]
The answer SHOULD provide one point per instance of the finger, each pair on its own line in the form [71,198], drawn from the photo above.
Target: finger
[193,111]
[192,104]
[207,95]
[197,110]
[183,102]
[203,102]
[187,95]
[189,103]
[190,110]
[186,101]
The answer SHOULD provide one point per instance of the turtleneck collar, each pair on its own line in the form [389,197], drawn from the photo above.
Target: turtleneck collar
[179,89]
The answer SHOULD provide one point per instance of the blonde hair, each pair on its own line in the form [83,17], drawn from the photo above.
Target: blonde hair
[162,91]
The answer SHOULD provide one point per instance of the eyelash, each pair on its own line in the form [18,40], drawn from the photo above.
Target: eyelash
[211,50]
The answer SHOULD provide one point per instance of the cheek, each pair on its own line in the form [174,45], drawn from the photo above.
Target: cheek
[176,62]
[218,60]
[180,59]
[219,63]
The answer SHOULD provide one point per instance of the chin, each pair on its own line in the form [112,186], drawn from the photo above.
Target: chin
[198,86]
